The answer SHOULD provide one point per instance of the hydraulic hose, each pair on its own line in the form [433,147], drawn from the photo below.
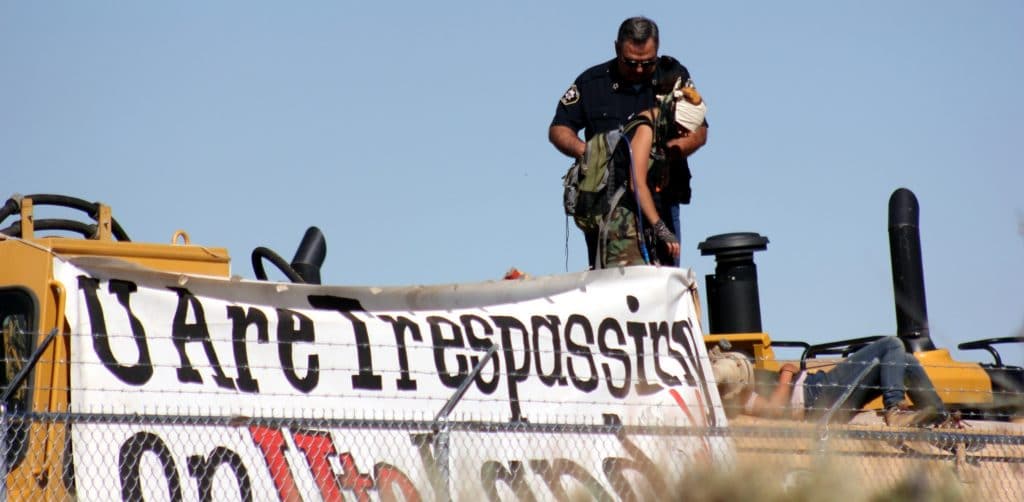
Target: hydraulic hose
[260,253]
[13,205]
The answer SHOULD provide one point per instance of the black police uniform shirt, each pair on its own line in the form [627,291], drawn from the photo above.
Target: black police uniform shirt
[600,100]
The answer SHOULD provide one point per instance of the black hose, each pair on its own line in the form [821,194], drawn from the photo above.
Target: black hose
[85,229]
[91,208]
[10,207]
[257,265]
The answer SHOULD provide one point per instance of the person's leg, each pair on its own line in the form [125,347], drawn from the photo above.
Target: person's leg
[895,371]
[823,393]
[623,246]
[920,387]
[892,357]
[591,239]
[886,379]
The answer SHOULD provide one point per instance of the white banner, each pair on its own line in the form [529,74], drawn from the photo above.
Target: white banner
[621,345]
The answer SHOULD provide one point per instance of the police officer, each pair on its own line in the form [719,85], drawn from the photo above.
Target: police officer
[604,96]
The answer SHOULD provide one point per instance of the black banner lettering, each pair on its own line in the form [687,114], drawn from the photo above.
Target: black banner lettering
[553,471]
[513,476]
[440,343]
[203,470]
[609,325]
[482,344]
[366,379]
[550,324]
[129,460]
[638,331]
[287,334]
[400,325]
[514,373]
[182,332]
[615,469]
[681,334]
[423,443]
[658,331]
[241,319]
[133,374]
[581,350]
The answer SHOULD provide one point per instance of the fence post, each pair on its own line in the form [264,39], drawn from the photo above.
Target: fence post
[442,428]
[442,454]
[823,424]
[3,450]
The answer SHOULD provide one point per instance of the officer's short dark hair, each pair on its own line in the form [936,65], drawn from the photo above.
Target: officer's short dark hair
[637,30]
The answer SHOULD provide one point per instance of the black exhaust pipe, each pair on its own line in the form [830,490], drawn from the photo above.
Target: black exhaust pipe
[309,257]
[733,302]
[908,271]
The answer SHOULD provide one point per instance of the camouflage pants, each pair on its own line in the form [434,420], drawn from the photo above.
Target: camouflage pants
[622,246]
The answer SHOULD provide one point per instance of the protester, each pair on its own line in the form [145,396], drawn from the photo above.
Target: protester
[802,394]
[633,231]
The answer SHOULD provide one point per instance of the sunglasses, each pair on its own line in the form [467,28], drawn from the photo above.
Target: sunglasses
[645,64]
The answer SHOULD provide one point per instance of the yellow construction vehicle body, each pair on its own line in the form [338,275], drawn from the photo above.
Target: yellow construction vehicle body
[958,383]
[51,270]
[28,271]
[28,268]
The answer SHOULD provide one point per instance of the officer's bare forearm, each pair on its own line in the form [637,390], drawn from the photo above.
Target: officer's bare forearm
[691,142]
[566,141]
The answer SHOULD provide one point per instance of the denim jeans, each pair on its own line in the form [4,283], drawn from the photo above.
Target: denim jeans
[897,372]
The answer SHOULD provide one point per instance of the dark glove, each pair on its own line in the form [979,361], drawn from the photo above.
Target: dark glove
[664,234]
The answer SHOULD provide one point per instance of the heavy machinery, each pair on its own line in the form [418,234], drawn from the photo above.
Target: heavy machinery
[37,377]
[990,391]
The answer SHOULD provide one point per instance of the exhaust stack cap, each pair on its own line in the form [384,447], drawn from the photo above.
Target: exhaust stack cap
[733,301]
[734,245]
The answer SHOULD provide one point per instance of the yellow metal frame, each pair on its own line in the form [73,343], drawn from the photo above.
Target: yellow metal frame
[28,264]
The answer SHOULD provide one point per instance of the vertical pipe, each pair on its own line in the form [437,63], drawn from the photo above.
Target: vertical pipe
[309,257]
[734,305]
[442,452]
[908,271]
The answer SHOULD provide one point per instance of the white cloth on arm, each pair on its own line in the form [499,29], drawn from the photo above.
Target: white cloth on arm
[796,401]
[689,115]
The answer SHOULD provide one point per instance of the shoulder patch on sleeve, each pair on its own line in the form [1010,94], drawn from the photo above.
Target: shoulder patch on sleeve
[571,96]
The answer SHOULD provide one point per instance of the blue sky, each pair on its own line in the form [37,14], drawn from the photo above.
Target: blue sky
[414,135]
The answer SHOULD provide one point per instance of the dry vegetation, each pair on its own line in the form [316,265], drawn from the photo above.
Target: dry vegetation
[768,484]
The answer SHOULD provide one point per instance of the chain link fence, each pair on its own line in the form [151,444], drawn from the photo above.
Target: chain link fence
[192,450]
[240,458]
